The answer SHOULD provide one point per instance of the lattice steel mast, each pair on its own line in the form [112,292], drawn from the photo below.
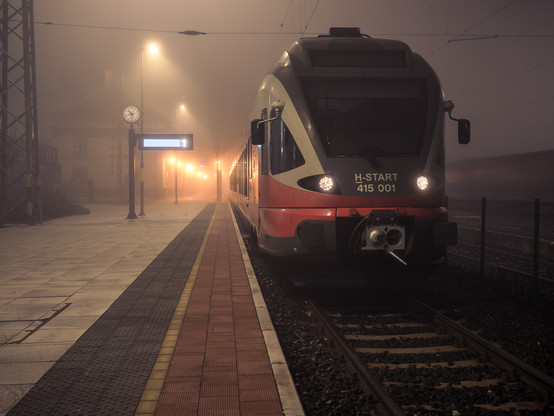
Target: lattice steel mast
[19,151]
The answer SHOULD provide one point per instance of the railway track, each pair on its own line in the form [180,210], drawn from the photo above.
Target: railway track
[413,360]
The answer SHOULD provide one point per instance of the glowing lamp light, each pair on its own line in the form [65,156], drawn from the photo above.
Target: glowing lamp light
[422,183]
[153,49]
[326,183]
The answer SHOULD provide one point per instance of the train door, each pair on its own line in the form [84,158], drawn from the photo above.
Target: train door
[263,172]
[263,151]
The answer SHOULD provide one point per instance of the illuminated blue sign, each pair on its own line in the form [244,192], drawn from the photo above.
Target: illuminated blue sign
[165,141]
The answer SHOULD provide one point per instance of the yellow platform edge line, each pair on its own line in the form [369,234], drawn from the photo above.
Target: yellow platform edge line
[290,401]
[152,391]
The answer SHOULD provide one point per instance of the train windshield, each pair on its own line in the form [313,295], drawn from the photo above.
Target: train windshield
[368,117]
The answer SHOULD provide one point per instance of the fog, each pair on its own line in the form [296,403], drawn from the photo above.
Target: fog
[495,60]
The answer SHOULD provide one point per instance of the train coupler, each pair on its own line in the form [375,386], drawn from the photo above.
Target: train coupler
[382,232]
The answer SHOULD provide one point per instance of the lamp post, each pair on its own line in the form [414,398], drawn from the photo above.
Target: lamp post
[153,49]
[179,112]
[141,132]
[218,180]
[176,187]
[174,166]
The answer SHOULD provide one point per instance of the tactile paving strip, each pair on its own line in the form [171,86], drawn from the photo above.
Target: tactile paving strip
[105,371]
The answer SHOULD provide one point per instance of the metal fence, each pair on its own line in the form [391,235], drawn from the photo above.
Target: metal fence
[517,235]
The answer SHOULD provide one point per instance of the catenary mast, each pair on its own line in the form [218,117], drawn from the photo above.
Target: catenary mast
[19,150]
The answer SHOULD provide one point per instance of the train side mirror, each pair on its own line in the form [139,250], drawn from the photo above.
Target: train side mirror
[278,106]
[257,132]
[464,127]
[464,131]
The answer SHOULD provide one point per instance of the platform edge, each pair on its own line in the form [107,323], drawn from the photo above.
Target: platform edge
[290,400]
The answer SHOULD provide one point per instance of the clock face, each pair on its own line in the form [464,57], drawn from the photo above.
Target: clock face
[131,114]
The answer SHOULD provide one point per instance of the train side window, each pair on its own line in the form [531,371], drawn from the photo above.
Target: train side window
[239,175]
[249,155]
[264,158]
[285,154]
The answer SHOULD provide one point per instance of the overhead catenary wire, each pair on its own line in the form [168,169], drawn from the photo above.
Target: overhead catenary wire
[429,9]
[485,114]
[481,88]
[281,26]
[483,37]
[310,19]
[490,15]
[458,37]
[511,77]
[190,32]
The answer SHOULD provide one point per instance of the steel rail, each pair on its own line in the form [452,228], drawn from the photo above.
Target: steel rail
[385,405]
[490,352]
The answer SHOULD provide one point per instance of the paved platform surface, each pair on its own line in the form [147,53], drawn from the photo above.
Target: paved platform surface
[86,304]
[58,278]
[220,363]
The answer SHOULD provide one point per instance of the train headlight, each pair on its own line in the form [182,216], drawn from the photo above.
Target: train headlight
[422,183]
[326,183]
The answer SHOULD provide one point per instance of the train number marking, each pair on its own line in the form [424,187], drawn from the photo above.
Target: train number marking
[382,183]
[381,188]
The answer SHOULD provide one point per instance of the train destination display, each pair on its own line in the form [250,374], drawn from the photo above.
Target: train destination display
[165,141]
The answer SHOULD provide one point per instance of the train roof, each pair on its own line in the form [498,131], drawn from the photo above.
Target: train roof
[347,47]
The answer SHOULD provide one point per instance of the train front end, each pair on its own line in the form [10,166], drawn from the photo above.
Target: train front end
[351,153]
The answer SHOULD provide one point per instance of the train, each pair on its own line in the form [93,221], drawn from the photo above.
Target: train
[345,161]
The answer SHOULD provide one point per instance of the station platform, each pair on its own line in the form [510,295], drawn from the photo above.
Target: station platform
[161,315]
